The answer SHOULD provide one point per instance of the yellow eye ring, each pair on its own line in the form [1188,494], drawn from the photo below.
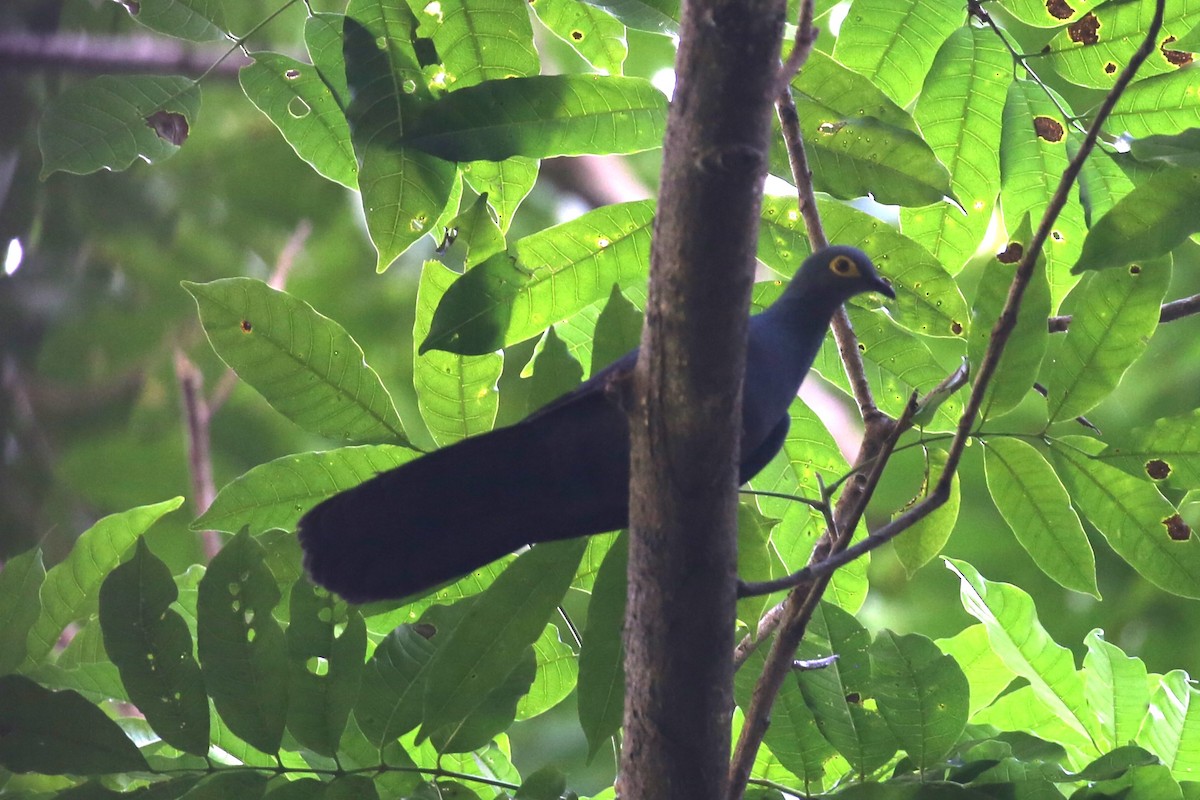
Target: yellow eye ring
[844,266]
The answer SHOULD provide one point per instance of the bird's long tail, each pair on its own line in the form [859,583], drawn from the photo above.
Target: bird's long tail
[554,476]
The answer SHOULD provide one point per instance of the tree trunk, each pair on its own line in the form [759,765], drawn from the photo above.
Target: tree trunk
[685,404]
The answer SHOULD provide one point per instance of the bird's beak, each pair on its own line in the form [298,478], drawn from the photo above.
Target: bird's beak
[884,288]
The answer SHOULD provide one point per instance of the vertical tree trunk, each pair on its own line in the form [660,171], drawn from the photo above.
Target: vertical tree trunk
[685,414]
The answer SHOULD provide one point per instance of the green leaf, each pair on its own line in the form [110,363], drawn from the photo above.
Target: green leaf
[555,273]
[83,666]
[656,16]
[601,692]
[302,363]
[1024,710]
[557,674]
[404,191]
[1175,735]
[506,183]
[959,111]
[1026,346]
[476,231]
[393,683]
[493,715]
[542,116]
[276,494]
[836,693]
[1094,50]
[829,84]
[151,645]
[1167,450]
[243,654]
[1149,222]
[1113,321]
[505,620]
[1103,182]
[793,736]
[230,784]
[59,733]
[478,40]
[986,673]
[1033,156]
[1132,515]
[922,543]
[545,784]
[894,42]
[590,31]
[197,20]
[1017,636]
[20,582]
[1116,689]
[326,642]
[323,40]
[922,695]
[618,330]
[555,372]
[295,97]
[1042,14]
[1032,500]
[1164,104]
[72,586]
[456,394]
[110,121]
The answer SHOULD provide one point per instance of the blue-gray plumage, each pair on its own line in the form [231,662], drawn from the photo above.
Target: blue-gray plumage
[563,471]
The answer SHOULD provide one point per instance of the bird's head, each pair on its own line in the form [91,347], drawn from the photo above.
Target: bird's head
[842,272]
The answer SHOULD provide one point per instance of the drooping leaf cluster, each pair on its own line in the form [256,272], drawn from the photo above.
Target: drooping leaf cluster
[248,682]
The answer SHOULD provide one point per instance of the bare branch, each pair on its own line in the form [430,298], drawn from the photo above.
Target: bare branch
[96,54]
[1176,309]
[196,418]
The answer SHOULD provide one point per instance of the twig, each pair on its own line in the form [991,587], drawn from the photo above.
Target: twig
[196,418]
[806,37]
[96,54]
[1176,309]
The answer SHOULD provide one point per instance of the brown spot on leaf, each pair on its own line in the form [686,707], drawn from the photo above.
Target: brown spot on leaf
[1086,31]
[854,697]
[292,74]
[1176,58]
[1059,9]
[577,36]
[1158,469]
[956,328]
[1011,254]
[1056,236]
[246,326]
[169,125]
[1110,68]
[1049,129]
[1177,529]
[1134,269]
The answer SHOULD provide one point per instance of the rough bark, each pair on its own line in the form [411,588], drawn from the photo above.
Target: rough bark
[685,403]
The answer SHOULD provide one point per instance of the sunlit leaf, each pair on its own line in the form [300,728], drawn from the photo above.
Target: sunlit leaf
[198,20]
[475,233]
[1167,450]
[295,97]
[1164,104]
[1032,500]
[151,645]
[541,116]
[1048,14]
[276,494]
[506,183]
[922,542]
[959,111]
[590,30]
[986,672]
[478,40]
[1113,321]
[1134,517]
[894,42]
[1116,687]
[110,121]
[557,674]
[72,586]
[1175,738]
[456,394]
[302,363]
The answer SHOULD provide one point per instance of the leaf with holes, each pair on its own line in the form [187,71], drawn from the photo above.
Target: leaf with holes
[1150,221]
[111,121]
[243,654]
[151,645]
[72,586]
[1138,522]
[1113,321]
[1032,500]
[1044,14]
[506,183]
[302,363]
[590,31]
[541,116]
[296,99]
[326,644]
[478,40]
[550,276]
[1168,450]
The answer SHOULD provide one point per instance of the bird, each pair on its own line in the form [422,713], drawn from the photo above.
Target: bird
[563,471]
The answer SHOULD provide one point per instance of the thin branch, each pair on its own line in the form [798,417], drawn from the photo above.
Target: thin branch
[196,418]
[1176,309]
[97,54]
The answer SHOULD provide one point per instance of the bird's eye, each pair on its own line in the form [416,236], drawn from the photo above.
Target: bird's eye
[844,266]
